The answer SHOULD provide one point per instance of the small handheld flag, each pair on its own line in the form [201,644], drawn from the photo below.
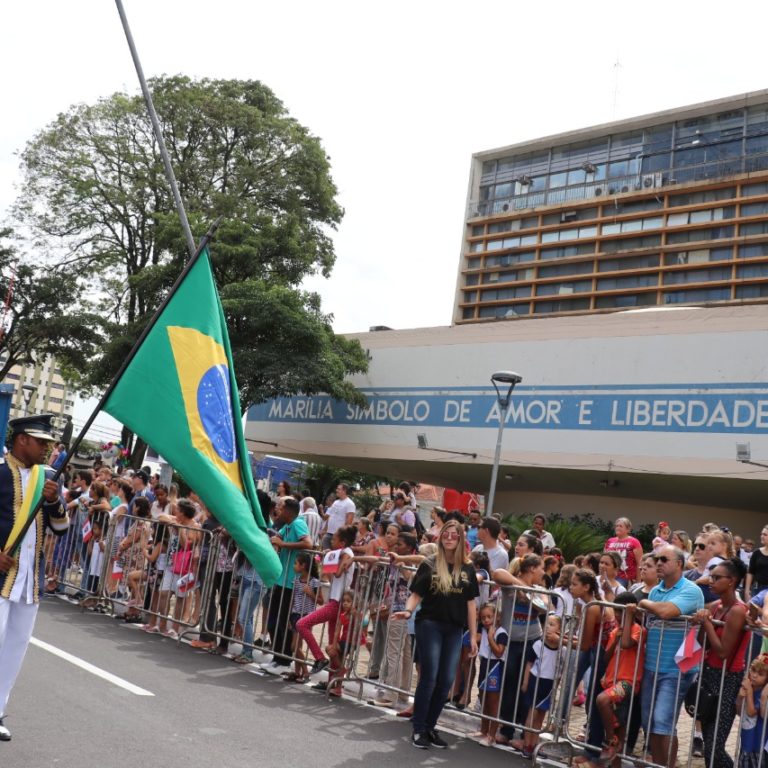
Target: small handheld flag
[87,531]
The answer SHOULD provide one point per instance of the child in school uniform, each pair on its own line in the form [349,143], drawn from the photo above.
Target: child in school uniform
[753,697]
[542,666]
[492,650]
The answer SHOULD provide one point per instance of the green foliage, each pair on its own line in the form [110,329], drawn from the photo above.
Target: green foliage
[46,313]
[366,500]
[94,187]
[322,479]
[573,537]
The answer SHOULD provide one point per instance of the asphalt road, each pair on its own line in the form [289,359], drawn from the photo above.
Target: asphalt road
[206,712]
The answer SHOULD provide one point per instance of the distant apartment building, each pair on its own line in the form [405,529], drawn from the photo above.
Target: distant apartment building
[40,388]
[666,209]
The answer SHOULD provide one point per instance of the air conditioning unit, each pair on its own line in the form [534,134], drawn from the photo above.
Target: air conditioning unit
[651,180]
[569,216]
[565,290]
[598,191]
[625,188]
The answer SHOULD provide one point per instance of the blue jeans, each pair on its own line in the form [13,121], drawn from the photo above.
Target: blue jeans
[250,595]
[671,688]
[439,645]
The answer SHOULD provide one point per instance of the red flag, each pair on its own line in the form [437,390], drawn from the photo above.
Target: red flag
[689,654]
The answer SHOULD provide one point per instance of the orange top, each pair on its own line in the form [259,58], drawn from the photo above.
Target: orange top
[624,665]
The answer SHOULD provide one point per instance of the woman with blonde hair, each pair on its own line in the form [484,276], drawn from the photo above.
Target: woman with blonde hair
[445,586]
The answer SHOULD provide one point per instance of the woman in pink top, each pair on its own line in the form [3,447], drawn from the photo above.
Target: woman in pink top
[629,549]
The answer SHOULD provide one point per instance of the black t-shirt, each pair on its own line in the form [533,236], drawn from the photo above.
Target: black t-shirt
[758,567]
[450,607]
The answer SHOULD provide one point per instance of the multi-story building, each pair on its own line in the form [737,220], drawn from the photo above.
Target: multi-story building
[46,391]
[666,209]
[651,414]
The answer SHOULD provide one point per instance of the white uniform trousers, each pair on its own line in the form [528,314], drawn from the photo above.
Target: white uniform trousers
[17,620]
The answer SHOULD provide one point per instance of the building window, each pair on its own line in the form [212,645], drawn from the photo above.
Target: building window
[472,280]
[750,190]
[566,251]
[499,294]
[754,209]
[630,262]
[630,243]
[562,270]
[631,281]
[752,270]
[697,294]
[468,313]
[697,276]
[626,301]
[506,312]
[751,291]
[563,289]
[753,251]
[699,256]
[563,305]
[692,198]
[470,296]
[694,235]
[754,228]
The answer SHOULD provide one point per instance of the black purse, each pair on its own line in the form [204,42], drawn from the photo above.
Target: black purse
[707,708]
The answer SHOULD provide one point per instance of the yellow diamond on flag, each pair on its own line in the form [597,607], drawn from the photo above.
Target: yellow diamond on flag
[203,371]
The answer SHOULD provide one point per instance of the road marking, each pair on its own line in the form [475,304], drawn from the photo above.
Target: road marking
[94,670]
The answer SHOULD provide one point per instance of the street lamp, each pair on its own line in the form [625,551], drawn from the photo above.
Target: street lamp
[27,391]
[508,380]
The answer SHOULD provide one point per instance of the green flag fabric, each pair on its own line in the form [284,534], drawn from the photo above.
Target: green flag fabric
[179,394]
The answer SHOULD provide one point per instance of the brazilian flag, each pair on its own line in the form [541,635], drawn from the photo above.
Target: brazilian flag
[179,394]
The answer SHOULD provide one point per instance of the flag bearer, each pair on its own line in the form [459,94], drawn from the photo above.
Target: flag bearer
[24,479]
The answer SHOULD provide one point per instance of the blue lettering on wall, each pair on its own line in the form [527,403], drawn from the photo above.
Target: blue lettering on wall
[649,409]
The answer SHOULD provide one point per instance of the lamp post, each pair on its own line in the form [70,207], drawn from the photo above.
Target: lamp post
[27,392]
[508,380]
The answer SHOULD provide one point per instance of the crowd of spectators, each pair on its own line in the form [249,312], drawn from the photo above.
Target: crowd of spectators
[454,609]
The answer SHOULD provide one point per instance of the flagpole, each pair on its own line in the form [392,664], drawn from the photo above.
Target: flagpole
[100,405]
[158,133]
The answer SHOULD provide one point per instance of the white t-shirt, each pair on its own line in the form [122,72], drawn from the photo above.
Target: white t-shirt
[156,510]
[616,592]
[407,516]
[485,652]
[340,583]
[498,556]
[337,513]
[545,666]
[97,558]
[564,605]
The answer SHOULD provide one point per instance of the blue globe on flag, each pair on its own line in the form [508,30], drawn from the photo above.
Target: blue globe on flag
[214,405]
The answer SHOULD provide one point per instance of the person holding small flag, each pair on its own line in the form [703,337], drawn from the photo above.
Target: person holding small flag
[24,483]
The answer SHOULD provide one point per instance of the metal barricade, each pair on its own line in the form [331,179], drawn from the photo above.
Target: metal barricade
[155,569]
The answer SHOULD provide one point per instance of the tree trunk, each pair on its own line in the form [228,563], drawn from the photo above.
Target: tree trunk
[137,455]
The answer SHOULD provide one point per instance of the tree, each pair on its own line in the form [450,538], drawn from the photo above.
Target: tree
[95,192]
[44,313]
[322,479]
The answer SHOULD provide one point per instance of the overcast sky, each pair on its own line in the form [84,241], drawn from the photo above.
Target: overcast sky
[401,95]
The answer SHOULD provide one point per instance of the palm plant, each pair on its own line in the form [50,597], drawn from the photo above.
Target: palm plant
[572,538]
